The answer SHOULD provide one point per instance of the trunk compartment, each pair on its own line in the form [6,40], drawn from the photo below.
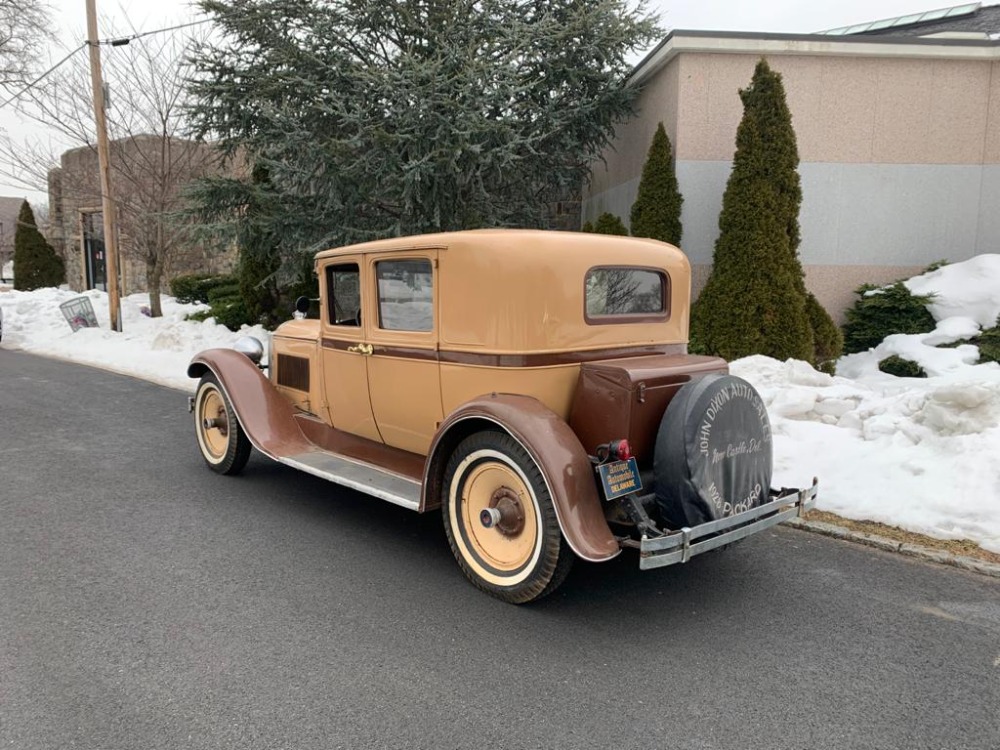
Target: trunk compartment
[626,398]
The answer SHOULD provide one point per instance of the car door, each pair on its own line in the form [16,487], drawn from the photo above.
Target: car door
[343,347]
[404,378]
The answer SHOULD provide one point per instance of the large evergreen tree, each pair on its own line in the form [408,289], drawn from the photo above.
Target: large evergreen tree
[408,116]
[259,261]
[656,212]
[755,301]
[36,264]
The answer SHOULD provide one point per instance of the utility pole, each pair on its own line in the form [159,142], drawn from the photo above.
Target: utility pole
[107,204]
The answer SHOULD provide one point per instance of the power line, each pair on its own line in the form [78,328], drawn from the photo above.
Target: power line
[33,83]
[121,41]
[117,42]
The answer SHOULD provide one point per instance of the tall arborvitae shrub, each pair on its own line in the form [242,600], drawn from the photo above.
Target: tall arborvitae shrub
[828,341]
[656,212]
[755,301]
[36,264]
[607,223]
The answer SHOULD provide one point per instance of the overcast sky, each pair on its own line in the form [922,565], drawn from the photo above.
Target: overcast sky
[712,15]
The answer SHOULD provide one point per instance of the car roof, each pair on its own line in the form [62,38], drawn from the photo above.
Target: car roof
[485,240]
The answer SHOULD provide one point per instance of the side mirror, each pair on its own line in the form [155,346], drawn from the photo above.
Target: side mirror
[302,305]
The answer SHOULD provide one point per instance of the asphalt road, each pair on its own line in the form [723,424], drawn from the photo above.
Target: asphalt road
[146,602]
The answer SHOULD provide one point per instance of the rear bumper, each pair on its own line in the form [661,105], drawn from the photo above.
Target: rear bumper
[681,546]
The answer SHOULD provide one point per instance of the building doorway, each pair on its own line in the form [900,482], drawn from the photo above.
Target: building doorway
[94,258]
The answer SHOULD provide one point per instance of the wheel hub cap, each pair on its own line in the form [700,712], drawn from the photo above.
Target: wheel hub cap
[505,508]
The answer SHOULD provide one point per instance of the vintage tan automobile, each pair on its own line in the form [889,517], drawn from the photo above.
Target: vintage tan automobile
[535,386]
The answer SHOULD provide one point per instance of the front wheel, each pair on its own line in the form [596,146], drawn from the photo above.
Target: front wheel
[223,443]
[500,521]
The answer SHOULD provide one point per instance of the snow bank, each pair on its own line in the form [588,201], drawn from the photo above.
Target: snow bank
[923,349]
[970,289]
[918,454]
[156,349]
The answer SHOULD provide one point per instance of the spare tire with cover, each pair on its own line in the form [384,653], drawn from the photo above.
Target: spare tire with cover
[713,454]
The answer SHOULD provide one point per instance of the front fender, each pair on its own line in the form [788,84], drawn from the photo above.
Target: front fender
[553,446]
[267,418]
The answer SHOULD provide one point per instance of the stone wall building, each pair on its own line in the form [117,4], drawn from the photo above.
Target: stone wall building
[148,174]
[898,136]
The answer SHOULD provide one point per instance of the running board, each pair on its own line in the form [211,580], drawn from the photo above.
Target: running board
[357,476]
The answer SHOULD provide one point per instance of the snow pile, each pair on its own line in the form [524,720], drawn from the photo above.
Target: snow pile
[915,453]
[157,349]
[919,453]
[970,289]
[923,349]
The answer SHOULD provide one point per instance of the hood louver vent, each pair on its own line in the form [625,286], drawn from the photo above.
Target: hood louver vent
[293,372]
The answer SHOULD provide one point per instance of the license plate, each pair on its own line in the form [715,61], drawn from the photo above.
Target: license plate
[619,478]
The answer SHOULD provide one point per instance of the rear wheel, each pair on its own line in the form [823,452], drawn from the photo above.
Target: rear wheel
[500,521]
[224,445]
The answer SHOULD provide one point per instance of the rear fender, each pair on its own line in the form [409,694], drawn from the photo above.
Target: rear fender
[266,417]
[553,446]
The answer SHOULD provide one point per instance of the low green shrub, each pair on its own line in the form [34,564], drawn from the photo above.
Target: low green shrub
[229,311]
[988,342]
[901,368]
[882,311]
[224,290]
[196,287]
[607,223]
[232,313]
[221,293]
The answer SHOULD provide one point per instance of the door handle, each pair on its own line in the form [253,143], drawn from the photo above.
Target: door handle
[365,349]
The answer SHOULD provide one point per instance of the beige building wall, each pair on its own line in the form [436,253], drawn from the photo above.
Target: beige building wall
[899,147]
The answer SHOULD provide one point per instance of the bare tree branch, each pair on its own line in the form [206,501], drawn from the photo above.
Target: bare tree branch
[150,159]
[24,31]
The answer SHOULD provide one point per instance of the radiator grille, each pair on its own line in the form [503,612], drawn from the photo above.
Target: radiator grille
[293,372]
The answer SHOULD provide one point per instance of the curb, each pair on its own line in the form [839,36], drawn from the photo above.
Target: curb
[888,545]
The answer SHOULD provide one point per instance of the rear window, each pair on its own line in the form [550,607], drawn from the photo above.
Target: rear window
[617,294]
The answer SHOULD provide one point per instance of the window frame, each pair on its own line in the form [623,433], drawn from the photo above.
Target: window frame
[378,294]
[625,318]
[328,271]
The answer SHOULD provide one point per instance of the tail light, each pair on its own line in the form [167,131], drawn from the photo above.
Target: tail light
[620,450]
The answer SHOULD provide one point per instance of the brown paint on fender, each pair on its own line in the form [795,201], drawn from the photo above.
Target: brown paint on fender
[277,429]
[267,418]
[559,455]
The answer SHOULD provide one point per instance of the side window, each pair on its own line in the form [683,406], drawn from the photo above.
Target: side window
[343,292]
[614,294]
[405,295]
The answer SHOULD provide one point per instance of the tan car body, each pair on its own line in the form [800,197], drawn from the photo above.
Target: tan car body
[510,347]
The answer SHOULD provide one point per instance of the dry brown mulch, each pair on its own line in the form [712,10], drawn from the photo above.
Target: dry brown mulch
[962,547]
